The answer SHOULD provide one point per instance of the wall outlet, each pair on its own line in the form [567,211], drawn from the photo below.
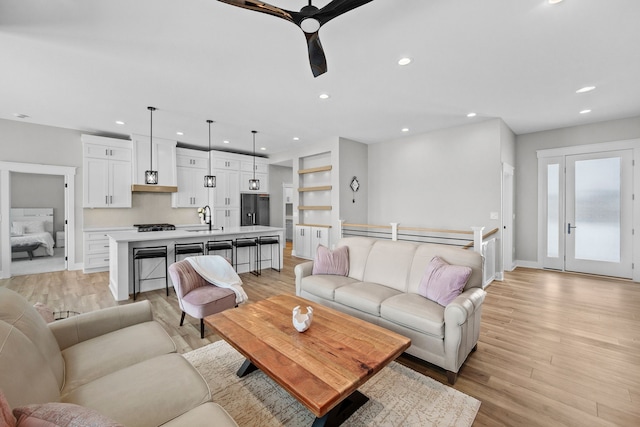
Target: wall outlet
[493,215]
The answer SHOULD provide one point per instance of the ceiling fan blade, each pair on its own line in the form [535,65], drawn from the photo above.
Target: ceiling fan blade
[337,8]
[317,59]
[263,7]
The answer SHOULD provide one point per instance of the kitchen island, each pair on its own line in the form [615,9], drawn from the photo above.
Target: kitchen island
[152,271]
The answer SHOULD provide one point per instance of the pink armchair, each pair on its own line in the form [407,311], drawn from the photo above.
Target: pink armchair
[197,297]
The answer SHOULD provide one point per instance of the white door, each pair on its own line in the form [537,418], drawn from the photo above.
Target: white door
[598,215]
[508,219]
[587,211]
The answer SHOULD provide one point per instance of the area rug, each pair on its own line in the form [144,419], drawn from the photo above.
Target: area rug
[398,396]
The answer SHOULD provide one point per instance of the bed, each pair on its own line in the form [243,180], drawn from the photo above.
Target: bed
[32,231]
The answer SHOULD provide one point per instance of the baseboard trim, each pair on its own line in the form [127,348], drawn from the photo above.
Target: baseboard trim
[528,264]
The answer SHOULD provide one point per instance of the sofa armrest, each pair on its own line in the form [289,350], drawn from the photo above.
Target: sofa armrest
[465,304]
[73,330]
[302,270]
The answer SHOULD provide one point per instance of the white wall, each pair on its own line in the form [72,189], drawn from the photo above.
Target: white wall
[526,173]
[278,175]
[353,159]
[445,179]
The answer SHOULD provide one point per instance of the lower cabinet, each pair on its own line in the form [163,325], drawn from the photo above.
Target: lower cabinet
[307,238]
[96,249]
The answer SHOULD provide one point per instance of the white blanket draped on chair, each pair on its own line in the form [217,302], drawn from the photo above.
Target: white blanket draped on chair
[217,270]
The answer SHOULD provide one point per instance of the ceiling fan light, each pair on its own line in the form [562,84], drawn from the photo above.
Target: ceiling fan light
[310,25]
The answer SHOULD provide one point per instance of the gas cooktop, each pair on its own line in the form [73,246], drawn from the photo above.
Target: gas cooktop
[155,227]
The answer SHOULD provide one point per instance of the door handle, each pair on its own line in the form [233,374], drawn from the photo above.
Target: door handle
[569,227]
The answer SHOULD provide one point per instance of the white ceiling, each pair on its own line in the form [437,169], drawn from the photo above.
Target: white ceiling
[85,64]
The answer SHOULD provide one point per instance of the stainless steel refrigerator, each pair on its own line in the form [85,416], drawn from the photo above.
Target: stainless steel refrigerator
[254,209]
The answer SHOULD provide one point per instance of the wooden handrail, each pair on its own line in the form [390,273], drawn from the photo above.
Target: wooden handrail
[435,230]
[365,225]
[484,236]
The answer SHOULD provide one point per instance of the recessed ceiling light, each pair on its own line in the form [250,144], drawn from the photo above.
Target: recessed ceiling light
[405,129]
[324,96]
[295,138]
[585,89]
[263,148]
[554,1]
[21,116]
[404,61]
[120,122]
[179,133]
[585,111]
[471,115]
[225,142]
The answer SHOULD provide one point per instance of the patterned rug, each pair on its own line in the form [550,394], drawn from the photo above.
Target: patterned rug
[398,396]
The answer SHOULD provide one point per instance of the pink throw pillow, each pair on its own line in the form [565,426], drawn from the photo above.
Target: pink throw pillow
[6,417]
[334,262]
[443,282]
[57,414]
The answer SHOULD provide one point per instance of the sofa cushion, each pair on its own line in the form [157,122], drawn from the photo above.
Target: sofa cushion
[364,296]
[25,376]
[17,311]
[108,353]
[334,262]
[207,414]
[6,416]
[415,312]
[359,248]
[443,282]
[55,414]
[149,393]
[324,286]
[389,264]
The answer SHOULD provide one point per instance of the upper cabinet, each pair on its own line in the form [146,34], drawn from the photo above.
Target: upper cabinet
[192,166]
[163,158]
[106,172]
[261,169]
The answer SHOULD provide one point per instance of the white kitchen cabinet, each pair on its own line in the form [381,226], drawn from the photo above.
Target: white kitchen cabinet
[226,218]
[261,168]
[307,238]
[106,172]
[226,194]
[191,168]
[164,160]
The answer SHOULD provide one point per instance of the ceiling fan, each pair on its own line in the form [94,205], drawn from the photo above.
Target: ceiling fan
[309,20]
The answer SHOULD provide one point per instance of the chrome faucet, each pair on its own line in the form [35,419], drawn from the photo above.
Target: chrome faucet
[207,214]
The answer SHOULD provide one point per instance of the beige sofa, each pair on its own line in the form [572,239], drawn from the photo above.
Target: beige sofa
[117,361]
[382,287]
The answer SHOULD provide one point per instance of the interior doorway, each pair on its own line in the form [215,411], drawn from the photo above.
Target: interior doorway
[587,212]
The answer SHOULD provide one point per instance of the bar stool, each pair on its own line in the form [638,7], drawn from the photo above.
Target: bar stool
[220,245]
[148,253]
[270,241]
[246,242]
[187,249]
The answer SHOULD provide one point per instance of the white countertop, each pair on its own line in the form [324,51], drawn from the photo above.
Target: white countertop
[181,233]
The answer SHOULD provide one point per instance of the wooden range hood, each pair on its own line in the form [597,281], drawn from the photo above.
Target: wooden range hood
[147,188]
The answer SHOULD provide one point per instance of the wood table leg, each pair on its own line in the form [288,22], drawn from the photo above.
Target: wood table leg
[246,368]
[342,411]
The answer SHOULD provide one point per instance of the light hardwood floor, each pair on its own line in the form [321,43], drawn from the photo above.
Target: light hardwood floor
[555,348]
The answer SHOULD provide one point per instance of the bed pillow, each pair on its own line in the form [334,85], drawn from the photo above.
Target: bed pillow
[57,414]
[334,262]
[17,229]
[31,227]
[443,282]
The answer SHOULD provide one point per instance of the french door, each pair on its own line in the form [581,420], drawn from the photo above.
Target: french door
[588,207]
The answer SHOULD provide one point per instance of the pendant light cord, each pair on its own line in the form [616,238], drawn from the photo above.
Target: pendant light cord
[209,121]
[254,153]
[151,110]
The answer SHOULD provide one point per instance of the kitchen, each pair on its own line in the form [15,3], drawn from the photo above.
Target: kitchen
[111,207]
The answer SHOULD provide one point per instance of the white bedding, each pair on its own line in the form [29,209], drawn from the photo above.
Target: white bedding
[44,238]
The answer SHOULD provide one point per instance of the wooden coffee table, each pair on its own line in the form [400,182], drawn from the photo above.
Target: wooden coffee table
[321,367]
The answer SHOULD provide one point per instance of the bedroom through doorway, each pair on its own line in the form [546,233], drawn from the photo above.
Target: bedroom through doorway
[37,217]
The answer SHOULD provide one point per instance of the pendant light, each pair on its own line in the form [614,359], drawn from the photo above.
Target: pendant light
[209,180]
[151,176]
[254,184]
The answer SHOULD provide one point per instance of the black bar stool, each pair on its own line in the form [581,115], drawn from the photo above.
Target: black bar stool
[246,242]
[147,253]
[187,249]
[270,241]
[220,245]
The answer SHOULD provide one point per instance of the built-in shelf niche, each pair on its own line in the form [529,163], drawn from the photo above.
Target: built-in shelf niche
[314,190]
